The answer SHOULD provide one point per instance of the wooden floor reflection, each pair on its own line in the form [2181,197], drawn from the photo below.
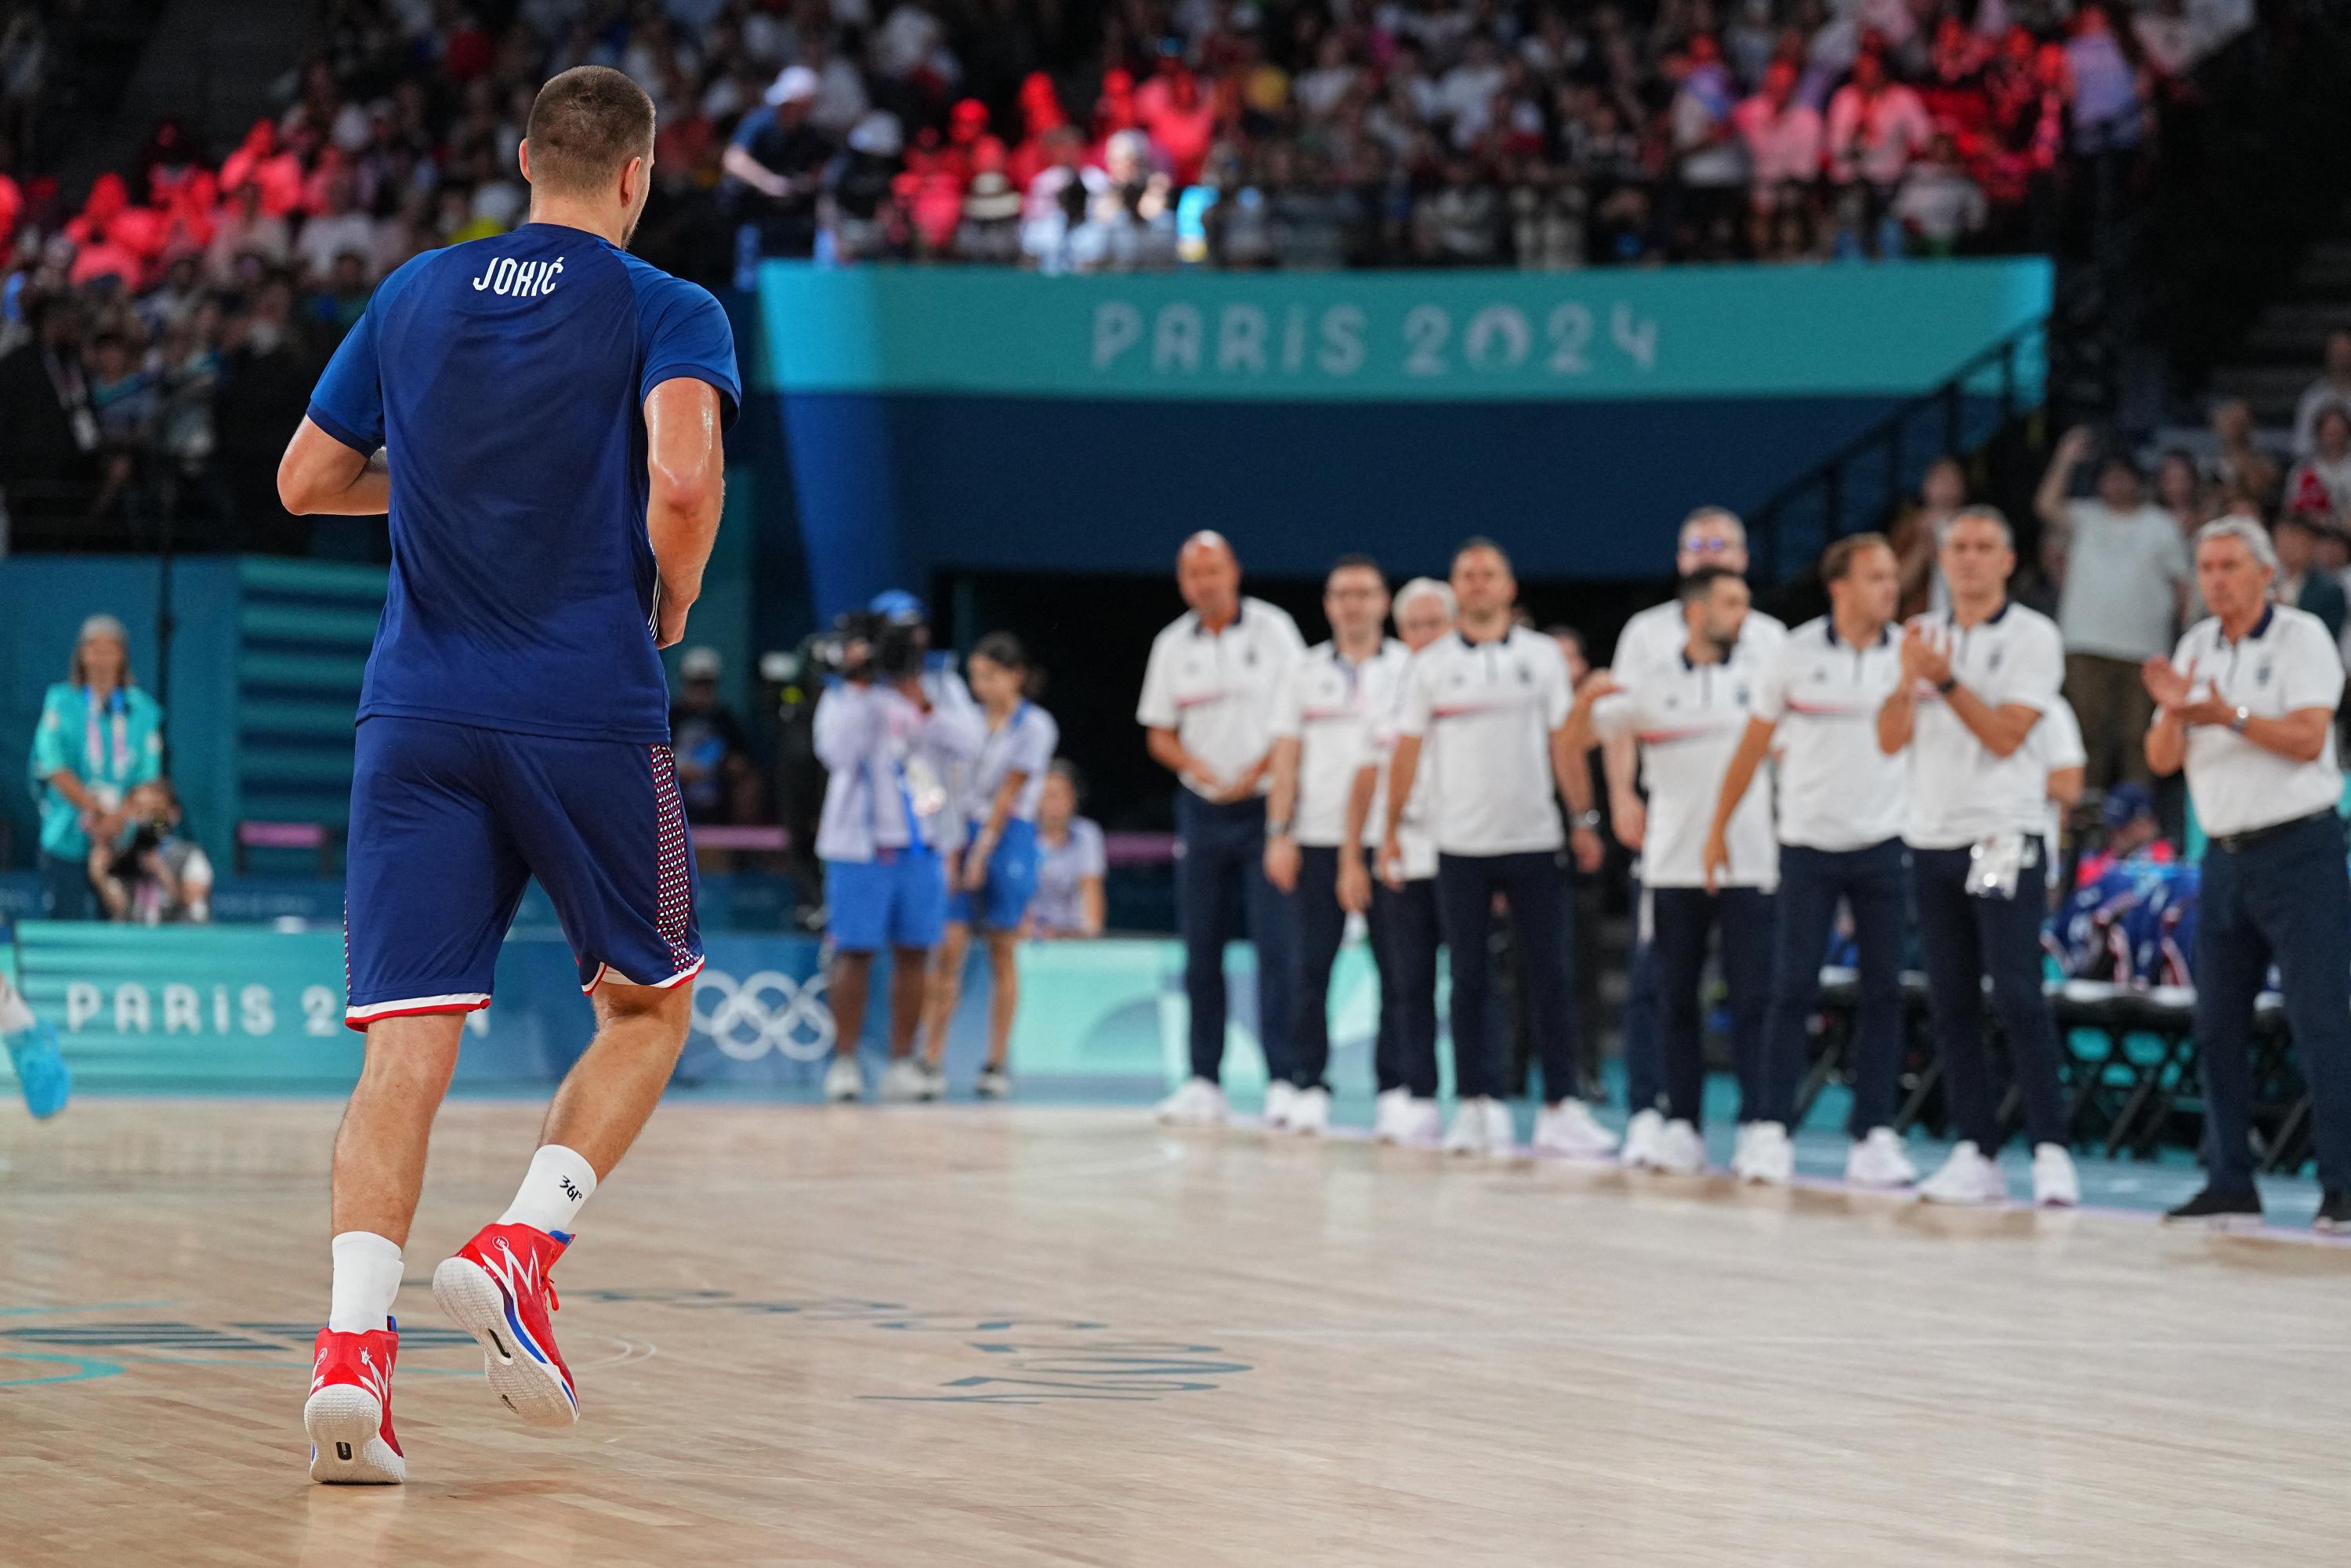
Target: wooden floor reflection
[1036,1335]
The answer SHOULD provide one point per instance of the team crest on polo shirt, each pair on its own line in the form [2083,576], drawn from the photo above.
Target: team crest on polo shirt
[1993,662]
[1739,696]
[1249,657]
[2261,674]
[1526,675]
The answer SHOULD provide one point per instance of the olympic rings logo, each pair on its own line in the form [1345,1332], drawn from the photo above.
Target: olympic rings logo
[767,1011]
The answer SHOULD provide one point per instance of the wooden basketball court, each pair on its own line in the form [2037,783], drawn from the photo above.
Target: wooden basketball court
[1031,1334]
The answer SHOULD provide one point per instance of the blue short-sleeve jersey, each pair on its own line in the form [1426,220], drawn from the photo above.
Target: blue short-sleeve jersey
[506,379]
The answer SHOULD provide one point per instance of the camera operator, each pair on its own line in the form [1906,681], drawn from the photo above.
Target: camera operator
[153,877]
[893,731]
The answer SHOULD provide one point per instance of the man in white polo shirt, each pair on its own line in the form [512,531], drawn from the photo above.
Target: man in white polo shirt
[1321,723]
[1840,840]
[1977,678]
[2247,704]
[1689,718]
[1709,536]
[1402,904]
[1208,706]
[1490,705]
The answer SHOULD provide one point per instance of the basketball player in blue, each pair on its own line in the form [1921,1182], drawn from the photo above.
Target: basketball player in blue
[539,413]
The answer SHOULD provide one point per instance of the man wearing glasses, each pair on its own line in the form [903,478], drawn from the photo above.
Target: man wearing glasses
[1653,640]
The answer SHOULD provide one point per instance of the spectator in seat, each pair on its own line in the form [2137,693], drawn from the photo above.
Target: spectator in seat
[2123,574]
[49,437]
[1917,537]
[989,229]
[2321,482]
[861,216]
[153,876]
[1070,862]
[1876,126]
[100,736]
[2303,581]
[715,772]
[2108,104]
[1783,134]
[2239,460]
[337,227]
[2179,490]
[2331,390]
[775,168]
[1710,157]
[1937,206]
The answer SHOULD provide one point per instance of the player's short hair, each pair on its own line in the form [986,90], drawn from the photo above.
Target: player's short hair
[1700,583]
[1427,587]
[585,124]
[1836,561]
[2246,532]
[1986,515]
[1479,541]
[1357,560]
[1001,648]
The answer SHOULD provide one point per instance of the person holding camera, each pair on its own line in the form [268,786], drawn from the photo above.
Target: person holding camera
[997,875]
[893,732]
[154,877]
[1209,696]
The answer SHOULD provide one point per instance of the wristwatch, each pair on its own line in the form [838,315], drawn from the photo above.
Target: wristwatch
[1943,687]
[1588,818]
[1278,830]
[2241,718]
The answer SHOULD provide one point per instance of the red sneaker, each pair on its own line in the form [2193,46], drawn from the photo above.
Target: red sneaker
[496,1289]
[348,1413]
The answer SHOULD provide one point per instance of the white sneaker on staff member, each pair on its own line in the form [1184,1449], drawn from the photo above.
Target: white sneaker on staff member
[2055,1184]
[1879,1161]
[1199,1104]
[1481,1127]
[1568,1128]
[1421,1124]
[1309,1113]
[1388,1114]
[1768,1159]
[1967,1178]
[1641,1136]
[1280,1104]
[1681,1151]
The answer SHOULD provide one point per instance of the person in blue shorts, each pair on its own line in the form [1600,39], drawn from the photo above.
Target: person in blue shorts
[539,413]
[896,735]
[996,876]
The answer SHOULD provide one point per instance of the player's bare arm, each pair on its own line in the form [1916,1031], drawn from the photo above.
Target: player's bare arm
[321,476]
[688,470]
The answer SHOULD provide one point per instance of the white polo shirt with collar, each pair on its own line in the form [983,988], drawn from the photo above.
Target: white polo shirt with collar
[1837,790]
[1960,792]
[1329,706]
[2287,661]
[1689,718]
[1216,690]
[1654,639]
[1485,712]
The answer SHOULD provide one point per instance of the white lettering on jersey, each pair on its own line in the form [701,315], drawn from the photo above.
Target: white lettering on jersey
[526,280]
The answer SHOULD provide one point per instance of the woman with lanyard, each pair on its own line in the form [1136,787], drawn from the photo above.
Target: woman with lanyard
[100,736]
[997,875]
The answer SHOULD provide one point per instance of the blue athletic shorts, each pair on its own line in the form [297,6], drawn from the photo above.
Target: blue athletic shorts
[1002,901]
[449,822]
[897,900]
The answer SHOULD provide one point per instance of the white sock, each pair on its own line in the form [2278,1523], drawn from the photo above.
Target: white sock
[367,1277]
[558,1181]
[15,1017]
